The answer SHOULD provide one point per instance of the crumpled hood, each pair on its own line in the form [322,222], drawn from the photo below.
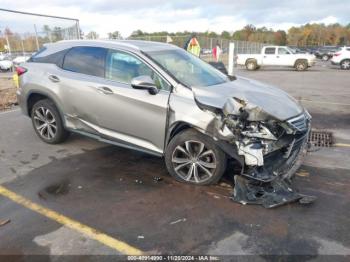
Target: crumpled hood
[273,101]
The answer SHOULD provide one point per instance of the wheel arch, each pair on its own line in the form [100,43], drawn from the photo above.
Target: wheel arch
[251,59]
[300,60]
[344,59]
[228,149]
[35,96]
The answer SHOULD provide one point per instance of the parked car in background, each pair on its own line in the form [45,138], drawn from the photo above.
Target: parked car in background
[206,51]
[6,65]
[312,49]
[298,50]
[20,59]
[342,58]
[276,56]
[326,52]
[159,99]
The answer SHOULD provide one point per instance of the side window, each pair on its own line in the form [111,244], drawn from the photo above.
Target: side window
[283,51]
[54,58]
[270,51]
[86,60]
[123,67]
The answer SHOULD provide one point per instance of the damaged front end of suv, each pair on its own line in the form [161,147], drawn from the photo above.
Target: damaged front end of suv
[269,150]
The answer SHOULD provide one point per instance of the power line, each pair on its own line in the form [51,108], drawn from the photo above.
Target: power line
[27,13]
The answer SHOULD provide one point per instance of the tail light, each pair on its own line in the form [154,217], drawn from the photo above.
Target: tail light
[20,70]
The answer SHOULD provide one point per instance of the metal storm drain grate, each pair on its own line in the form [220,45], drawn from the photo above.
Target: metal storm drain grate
[320,138]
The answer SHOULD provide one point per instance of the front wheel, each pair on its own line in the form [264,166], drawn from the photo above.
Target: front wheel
[193,157]
[301,65]
[345,64]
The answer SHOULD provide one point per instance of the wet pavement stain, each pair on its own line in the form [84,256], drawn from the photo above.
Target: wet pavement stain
[57,189]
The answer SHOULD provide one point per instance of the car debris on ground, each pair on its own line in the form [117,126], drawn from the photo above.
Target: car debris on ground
[157,179]
[178,221]
[4,222]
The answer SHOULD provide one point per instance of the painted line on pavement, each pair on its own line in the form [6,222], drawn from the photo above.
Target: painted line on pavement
[341,145]
[8,111]
[106,240]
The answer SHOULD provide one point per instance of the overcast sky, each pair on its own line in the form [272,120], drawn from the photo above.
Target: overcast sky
[104,16]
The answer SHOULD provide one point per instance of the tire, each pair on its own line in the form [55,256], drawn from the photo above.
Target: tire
[325,57]
[301,65]
[345,64]
[192,157]
[251,65]
[47,122]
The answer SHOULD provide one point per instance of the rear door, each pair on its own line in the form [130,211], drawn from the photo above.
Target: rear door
[83,67]
[269,56]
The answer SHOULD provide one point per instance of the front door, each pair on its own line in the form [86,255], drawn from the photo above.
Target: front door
[130,115]
[284,57]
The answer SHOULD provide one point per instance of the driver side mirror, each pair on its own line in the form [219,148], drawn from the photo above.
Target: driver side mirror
[146,83]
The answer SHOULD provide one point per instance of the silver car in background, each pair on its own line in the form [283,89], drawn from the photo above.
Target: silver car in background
[159,99]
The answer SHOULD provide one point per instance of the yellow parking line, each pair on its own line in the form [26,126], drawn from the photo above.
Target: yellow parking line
[342,145]
[116,244]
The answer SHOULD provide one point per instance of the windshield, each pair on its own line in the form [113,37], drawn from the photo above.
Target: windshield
[188,69]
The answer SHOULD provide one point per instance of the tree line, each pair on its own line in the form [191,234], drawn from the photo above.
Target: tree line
[305,35]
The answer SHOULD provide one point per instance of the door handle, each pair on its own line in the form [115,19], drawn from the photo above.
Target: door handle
[105,90]
[54,78]
[277,56]
[264,56]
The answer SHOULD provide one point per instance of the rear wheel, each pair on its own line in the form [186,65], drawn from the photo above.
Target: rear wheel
[325,57]
[251,65]
[193,157]
[345,64]
[301,65]
[47,122]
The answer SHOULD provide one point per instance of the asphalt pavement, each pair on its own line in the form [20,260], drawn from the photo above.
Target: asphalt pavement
[84,197]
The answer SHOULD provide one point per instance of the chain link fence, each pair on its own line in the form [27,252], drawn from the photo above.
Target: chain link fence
[23,33]
[207,44]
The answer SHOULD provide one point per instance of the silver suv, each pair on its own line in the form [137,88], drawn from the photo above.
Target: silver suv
[159,99]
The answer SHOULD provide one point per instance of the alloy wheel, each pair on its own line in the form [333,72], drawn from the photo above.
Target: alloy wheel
[194,162]
[345,64]
[45,123]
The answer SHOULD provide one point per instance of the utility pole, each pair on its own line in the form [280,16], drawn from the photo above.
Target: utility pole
[8,42]
[36,38]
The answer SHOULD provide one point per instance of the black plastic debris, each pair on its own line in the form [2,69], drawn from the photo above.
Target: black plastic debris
[157,179]
[270,194]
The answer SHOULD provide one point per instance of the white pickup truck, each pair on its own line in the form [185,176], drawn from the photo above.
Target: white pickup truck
[276,56]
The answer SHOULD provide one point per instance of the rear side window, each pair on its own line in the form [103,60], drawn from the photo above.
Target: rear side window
[55,58]
[270,50]
[86,60]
